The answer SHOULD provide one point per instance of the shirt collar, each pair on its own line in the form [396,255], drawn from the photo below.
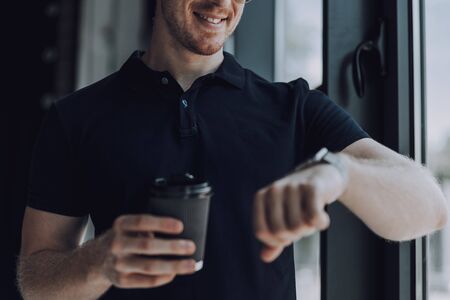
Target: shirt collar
[139,76]
[231,71]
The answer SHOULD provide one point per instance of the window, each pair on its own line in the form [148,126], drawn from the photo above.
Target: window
[438,135]
[299,25]
[109,32]
[298,53]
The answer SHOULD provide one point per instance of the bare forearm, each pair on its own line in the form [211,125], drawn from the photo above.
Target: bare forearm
[397,201]
[62,275]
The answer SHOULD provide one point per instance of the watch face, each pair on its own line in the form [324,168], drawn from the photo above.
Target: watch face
[318,158]
[321,154]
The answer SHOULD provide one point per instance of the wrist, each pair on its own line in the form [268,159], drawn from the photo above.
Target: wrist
[324,156]
[95,273]
[345,162]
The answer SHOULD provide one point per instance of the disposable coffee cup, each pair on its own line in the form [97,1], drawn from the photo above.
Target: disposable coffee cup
[183,197]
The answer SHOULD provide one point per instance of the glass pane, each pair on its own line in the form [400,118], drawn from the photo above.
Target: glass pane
[438,131]
[307,267]
[109,32]
[298,46]
[299,54]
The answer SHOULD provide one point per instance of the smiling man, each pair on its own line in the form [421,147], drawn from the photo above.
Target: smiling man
[185,105]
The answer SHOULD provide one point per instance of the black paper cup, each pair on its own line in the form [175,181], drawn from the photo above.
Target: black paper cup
[187,199]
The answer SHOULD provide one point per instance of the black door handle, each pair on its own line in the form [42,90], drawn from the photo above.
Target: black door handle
[377,45]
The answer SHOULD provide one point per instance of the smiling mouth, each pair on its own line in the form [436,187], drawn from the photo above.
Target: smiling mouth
[210,20]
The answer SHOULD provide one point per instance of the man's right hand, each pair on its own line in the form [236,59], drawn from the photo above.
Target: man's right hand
[129,246]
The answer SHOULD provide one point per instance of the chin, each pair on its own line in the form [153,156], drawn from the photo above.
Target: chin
[206,49]
[209,51]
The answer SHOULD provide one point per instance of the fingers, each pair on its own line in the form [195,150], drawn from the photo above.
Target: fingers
[274,210]
[124,245]
[293,208]
[150,266]
[148,223]
[313,211]
[132,281]
[284,213]
[261,227]
[131,244]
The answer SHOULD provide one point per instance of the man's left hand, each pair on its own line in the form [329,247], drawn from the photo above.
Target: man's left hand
[294,206]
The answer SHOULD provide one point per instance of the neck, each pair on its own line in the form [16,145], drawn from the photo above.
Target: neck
[166,54]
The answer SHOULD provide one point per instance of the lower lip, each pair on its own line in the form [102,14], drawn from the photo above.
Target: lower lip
[208,24]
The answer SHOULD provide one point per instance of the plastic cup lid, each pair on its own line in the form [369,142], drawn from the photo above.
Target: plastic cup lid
[176,184]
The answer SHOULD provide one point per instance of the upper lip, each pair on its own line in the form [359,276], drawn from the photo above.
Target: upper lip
[211,16]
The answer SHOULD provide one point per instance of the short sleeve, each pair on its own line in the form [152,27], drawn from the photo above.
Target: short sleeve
[54,173]
[328,125]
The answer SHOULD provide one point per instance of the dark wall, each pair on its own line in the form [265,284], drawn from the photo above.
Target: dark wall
[34,47]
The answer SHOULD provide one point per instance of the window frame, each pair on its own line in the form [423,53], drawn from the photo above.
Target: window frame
[402,274]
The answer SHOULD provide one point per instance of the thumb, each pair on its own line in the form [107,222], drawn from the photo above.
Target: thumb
[323,221]
[269,254]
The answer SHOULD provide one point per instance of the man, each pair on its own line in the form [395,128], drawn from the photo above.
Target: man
[186,106]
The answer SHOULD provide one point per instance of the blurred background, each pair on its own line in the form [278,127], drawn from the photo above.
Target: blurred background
[56,47]
[438,142]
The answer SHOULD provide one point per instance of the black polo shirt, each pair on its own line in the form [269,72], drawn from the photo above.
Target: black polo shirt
[101,147]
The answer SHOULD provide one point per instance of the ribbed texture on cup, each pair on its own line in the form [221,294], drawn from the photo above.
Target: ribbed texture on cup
[193,212]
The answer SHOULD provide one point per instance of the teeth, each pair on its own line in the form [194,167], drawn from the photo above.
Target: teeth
[211,20]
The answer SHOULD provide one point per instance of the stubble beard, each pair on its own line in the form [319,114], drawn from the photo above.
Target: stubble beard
[183,36]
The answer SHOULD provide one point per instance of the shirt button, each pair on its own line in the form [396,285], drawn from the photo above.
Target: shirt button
[165,81]
[185,103]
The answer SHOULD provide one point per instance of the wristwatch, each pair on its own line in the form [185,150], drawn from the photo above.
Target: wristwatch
[324,156]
